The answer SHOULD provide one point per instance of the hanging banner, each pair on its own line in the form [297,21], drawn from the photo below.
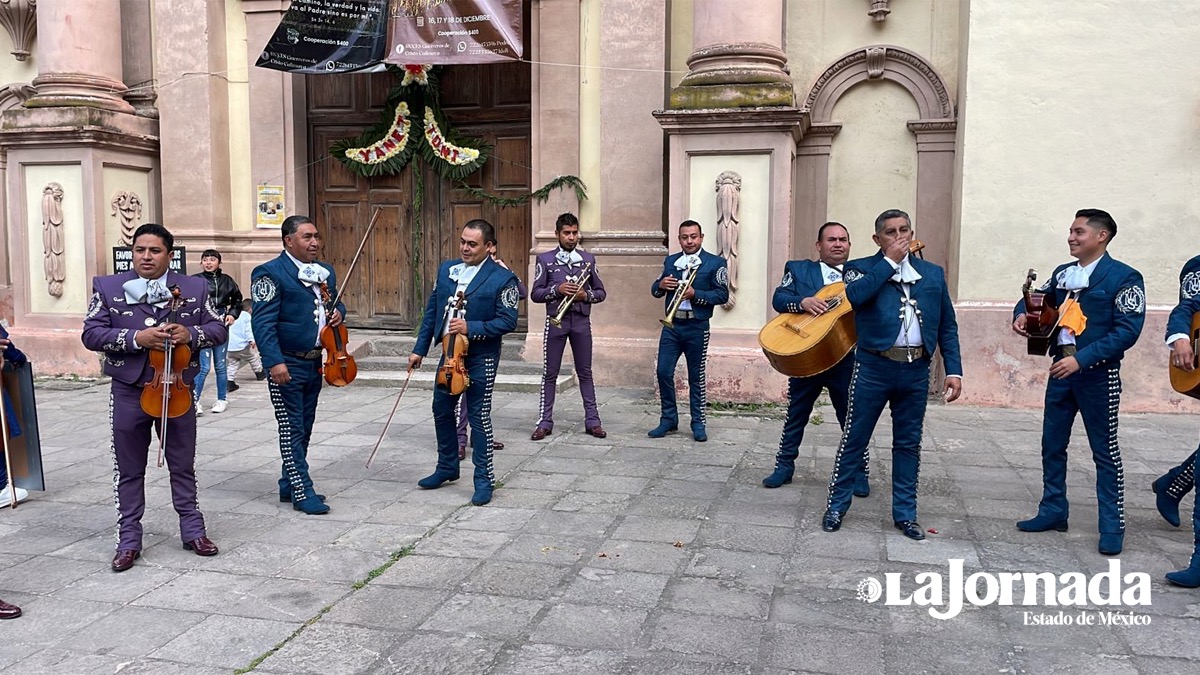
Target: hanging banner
[328,36]
[446,32]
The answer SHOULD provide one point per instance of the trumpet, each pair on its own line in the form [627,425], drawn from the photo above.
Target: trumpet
[677,299]
[556,320]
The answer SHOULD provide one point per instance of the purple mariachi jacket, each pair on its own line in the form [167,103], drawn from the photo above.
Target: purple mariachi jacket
[111,322]
[548,273]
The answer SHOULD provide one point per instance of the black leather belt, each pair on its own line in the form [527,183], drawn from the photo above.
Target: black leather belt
[902,354]
[310,355]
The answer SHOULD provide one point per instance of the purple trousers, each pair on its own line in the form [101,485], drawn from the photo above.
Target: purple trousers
[576,329]
[131,451]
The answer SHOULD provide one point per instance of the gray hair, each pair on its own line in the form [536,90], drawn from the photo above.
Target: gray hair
[888,215]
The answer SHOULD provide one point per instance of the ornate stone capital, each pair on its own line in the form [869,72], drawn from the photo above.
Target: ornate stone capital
[19,18]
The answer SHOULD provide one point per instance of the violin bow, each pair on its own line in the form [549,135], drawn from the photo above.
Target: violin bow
[390,416]
[12,486]
[354,261]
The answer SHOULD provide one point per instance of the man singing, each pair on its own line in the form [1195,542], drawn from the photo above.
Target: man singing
[902,311]
[560,275]
[130,316]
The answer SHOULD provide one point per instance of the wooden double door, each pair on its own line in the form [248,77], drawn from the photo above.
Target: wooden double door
[398,265]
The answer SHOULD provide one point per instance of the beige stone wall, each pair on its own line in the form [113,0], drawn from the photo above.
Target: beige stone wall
[873,165]
[12,70]
[241,183]
[819,31]
[1097,107]
[75,286]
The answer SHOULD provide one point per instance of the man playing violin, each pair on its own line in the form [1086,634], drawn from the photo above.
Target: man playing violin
[1102,307]
[127,319]
[556,277]
[492,296]
[902,311]
[287,321]
[688,334]
[802,279]
[1171,487]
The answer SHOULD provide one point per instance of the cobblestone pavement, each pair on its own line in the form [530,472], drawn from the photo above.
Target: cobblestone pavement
[627,555]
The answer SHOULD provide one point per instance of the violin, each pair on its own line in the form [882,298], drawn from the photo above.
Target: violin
[452,374]
[166,395]
[1040,318]
[340,368]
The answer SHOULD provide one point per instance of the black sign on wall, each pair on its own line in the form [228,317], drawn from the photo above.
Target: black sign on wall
[123,260]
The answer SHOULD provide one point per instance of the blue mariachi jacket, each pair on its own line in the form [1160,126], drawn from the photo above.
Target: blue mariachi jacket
[492,298]
[876,304]
[1115,306]
[285,316]
[801,279]
[1189,279]
[711,283]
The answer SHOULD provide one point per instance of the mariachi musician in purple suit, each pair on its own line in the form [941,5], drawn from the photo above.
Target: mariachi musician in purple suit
[557,276]
[129,317]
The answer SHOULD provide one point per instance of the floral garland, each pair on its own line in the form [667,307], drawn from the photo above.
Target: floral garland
[392,144]
[443,148]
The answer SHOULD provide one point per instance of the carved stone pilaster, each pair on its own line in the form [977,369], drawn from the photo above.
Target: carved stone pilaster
[729,196]
[53,239]
[19,18]
[127,207]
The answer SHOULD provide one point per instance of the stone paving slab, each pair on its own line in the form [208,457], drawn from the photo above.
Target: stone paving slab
[615,556]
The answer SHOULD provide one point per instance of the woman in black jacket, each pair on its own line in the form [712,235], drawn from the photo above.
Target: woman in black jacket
[227,299]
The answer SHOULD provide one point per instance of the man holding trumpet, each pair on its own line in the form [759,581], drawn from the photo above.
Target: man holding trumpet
[697,281]
[565,279]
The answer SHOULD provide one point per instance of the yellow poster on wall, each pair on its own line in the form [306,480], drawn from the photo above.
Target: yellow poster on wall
[270,206]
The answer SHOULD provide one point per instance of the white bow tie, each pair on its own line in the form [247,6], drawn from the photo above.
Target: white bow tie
[312,273]
[567,257]
[463,273]
[150,291]
[906,274]
[687,262]
[1074,278]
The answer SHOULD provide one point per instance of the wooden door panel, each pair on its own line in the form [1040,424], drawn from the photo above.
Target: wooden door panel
[389,278]
[339,229]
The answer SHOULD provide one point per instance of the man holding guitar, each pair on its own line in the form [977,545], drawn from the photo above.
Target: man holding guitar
[795,294]
[491,298]
[902,310]
[1171,487]
[1108,301]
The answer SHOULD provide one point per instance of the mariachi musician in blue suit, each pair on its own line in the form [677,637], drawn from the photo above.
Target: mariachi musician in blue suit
[1179,329]
[688,334]
[1171,487]
[902,310]
[288,318]
[802,280]
[491,296]
[1085,376]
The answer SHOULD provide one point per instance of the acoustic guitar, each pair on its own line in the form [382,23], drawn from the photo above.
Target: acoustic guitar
[1040,318]
[1182,381]
[803,345]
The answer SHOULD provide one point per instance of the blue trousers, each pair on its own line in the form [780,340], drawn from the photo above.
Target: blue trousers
[1195,563]
[904,387]
[802,395]
[689,337]
[216,357]
[1095,394]
[295,406]
[1181,479]
[481,368]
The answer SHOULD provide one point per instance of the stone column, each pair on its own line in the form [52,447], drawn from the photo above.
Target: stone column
[79,55]
[738,61]
[138,71]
